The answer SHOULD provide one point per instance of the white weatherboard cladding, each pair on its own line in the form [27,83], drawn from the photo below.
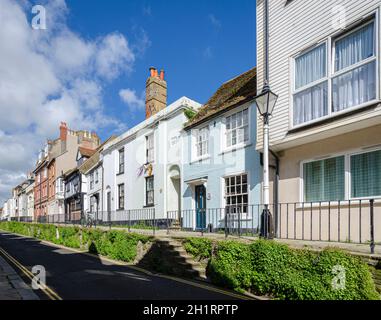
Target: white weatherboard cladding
[295,27]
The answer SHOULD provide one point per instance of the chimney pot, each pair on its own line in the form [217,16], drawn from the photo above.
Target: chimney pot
[162,74]
[152,71]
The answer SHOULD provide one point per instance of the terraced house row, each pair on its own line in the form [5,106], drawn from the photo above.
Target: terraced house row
[199,167]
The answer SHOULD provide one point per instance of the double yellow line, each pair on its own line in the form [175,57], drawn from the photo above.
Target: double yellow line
[43,287]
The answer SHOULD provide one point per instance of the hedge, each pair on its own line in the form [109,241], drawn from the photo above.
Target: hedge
[274,269]
[115,244]
[198,247]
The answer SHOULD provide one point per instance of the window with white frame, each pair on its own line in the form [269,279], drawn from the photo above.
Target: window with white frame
[150,191]
[237,128]
[202,142]
[365,170]
[311,85]
[236,193]
[121,196]
[349,82]
[96,176]
[150,148]
[326,180]
[354,79]
[92,180]
[121,161]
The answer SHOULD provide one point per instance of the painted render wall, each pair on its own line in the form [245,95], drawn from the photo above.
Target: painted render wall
[166,126]
[220,165]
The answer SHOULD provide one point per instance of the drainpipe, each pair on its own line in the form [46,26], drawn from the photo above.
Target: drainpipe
[266,41]
[276,191]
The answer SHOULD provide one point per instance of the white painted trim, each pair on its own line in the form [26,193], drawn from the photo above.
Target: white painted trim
[347,173]
[330,41]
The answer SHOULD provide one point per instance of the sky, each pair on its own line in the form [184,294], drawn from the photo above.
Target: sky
[89,66]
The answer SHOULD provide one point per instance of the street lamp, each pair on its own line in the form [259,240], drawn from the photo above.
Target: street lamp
[265,103]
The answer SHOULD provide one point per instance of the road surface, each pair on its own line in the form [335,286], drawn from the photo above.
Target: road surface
[75,276]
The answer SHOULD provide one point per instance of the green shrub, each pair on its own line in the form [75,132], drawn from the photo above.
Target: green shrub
[271,268]
[198,247]
[118,245]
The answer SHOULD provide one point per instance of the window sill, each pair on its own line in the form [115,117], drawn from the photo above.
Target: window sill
[333,117]
[235,148]
[120,173]
[149,206]
[119,210]
[200,159]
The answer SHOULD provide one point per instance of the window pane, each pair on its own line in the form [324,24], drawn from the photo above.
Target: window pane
[313,181]
[310,67]
[366,174]
[355,47]
[334,179]
[354,87]
[311,104]
[324,180]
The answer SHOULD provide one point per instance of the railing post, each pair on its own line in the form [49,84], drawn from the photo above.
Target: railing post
[154,221]
[129,220]
[167,223]
[372,244]
[226,223]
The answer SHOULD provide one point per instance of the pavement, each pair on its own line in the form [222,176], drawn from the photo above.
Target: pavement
[72,275]
[12,287]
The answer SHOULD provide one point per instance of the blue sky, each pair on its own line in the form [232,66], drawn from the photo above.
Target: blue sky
[200,44]
[89,66]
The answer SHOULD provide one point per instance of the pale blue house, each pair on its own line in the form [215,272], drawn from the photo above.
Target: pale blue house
[221,167]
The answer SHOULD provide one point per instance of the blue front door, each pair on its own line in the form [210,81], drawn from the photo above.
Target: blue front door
[200,207]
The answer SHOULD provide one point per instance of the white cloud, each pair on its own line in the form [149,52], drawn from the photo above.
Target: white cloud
[129,97]
[48,76]
[214,21]
[113,56]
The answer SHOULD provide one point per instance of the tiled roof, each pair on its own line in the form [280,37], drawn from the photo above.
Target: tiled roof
[94,159]
[233,93]
[85,152]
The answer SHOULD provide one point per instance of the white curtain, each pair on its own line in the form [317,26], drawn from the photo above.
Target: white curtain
[311,66]
[355,87]
[358,85]
[355,47]
[311,104]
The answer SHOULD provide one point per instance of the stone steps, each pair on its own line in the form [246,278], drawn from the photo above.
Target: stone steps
[169,256]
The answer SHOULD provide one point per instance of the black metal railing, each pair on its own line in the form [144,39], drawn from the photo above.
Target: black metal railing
[354,221]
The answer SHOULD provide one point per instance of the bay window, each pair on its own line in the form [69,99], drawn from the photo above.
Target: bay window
[326,83]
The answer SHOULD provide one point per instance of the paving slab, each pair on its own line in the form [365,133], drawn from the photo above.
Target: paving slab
[12,287]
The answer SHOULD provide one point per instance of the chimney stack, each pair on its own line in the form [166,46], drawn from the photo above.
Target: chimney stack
[63,131]
[156,92]
[63,135]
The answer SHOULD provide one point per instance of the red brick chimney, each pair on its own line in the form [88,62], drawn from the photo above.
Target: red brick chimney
[156,92]
[63,131]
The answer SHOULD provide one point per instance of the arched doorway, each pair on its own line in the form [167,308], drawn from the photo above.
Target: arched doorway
[174,190]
